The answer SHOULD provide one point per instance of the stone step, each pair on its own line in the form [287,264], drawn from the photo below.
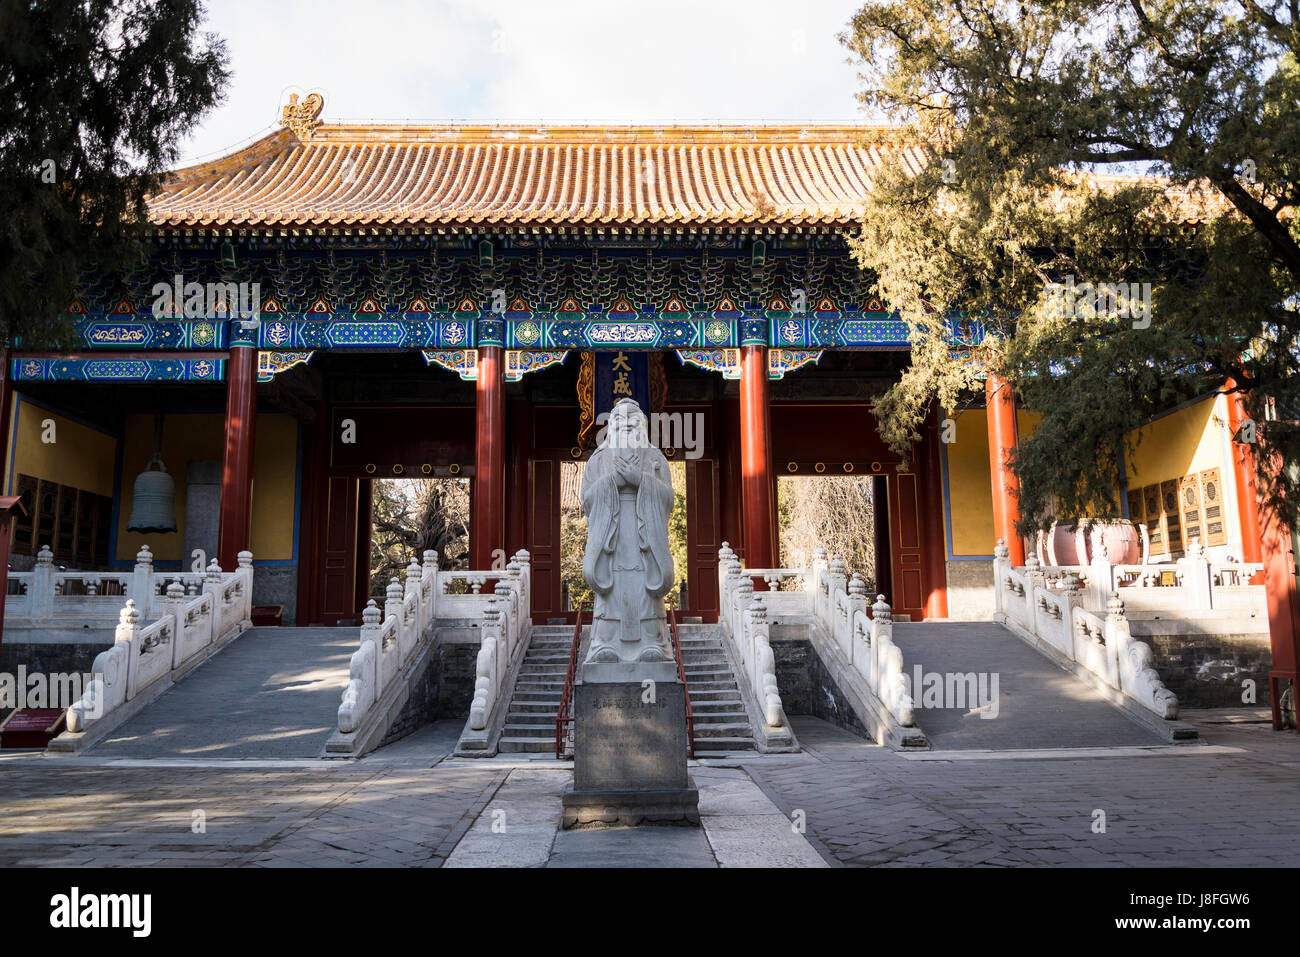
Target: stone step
[719,707]
[536,696]
[520,744]
[534,707]
[517,720]
[730,718]
[722,744]
[722,730]
[705,687]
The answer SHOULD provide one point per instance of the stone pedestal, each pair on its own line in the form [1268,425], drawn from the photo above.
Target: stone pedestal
[630,750]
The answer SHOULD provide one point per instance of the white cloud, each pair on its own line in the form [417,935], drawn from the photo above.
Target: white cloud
[548,60]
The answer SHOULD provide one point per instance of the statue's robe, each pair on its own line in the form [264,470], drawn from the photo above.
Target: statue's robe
[627,562]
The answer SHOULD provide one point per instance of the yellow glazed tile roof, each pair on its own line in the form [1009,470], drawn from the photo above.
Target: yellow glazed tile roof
[309,173]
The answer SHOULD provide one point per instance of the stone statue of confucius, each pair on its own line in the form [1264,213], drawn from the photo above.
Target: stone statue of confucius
[627,494]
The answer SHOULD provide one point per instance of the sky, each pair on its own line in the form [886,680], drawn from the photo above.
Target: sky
[545,61]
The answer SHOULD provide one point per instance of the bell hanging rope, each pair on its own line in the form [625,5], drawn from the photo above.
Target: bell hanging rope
[153,501]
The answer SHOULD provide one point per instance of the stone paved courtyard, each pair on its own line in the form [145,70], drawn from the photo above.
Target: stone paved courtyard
[1231,801]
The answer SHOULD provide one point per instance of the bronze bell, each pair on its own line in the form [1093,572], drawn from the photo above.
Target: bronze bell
[153,503]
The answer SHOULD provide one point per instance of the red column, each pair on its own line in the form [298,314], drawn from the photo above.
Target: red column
[1243,471]
[1001,406]
[936,544]
[1283,607]
[236,521]
[759,514]
[488,530]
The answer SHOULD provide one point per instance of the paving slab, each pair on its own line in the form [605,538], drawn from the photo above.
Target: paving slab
[1037,704]
[274,693]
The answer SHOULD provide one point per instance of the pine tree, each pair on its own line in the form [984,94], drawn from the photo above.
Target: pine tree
[1031,121]
[95,98]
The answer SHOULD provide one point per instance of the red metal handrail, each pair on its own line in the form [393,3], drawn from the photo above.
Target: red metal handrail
[681,676]
[564,717]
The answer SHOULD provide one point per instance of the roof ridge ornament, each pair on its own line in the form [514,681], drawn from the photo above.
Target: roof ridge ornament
[303,118]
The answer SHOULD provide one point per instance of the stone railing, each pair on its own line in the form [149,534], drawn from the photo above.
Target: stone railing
[835,603]
[47,595]
[745,623]
[410,614]
[504,630]
[1058,618]
[184,628]
[864,632]
[1193,583]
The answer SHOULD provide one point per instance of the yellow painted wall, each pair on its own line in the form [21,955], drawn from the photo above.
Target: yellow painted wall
[79,456]
[1172,446]
[200,437]
[1175,445]
[970,488]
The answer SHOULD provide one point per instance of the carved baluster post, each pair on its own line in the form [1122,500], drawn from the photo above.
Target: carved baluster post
[212,585]
[42,594]
[142,583]
[393,608]
[128,632]
[882,626]
[745,598]
[1035,581]
[174,605]
[413,574]
[370,632]
[857,603]
[1001,565]
[245,559]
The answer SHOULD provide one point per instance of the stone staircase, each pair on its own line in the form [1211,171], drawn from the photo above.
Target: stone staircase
[721,723]
[535,701]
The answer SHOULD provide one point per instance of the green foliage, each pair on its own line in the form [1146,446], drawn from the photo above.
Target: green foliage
[95,99]
[1027,122]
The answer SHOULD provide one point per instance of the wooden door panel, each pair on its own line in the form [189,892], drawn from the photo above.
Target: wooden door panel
[703,538]
[544,537]
[905,529]
[339,552]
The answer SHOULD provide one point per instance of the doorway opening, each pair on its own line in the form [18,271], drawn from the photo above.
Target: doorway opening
[408,516]
[573,535]
[836,512]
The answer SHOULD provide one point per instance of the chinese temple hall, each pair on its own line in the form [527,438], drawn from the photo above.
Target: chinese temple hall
[459,301]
